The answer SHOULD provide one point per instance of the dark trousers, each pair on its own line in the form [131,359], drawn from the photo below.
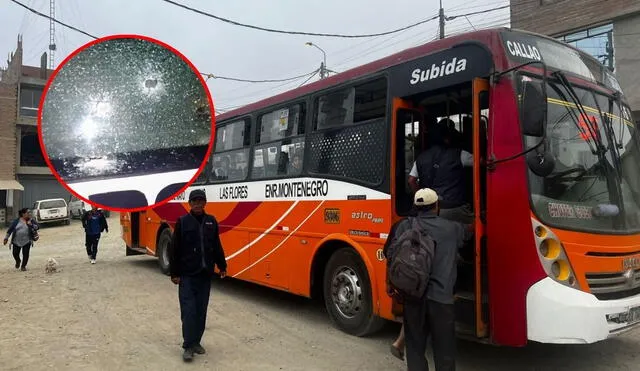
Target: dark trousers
[91,242]
[425,318]
[193,292]
[25,254]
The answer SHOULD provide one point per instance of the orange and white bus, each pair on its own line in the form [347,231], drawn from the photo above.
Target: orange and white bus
[306,185]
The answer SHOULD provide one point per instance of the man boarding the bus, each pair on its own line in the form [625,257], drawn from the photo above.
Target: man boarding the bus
[441,168]
[195,250]
[433,313]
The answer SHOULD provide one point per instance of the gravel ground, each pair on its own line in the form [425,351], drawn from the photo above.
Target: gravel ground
[123,314]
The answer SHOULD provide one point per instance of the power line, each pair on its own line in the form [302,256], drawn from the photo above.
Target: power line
[53,19]
[297,32]
[478,12]
[307,80]
[212,76]
[208,75]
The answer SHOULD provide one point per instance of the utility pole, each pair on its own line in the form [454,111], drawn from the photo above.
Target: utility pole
[610,50]
[323,64]
[441,16]
[52,33]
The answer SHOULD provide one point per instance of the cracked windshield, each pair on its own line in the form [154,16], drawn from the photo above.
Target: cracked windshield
[125,106]
[596,181]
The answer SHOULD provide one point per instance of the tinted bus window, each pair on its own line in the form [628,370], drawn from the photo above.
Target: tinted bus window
[281,123]
[351,105]
[283,154]
[229,161]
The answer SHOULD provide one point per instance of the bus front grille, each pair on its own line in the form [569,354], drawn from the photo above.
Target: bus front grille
[610,286]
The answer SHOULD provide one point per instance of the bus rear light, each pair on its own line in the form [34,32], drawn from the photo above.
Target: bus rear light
[552,256]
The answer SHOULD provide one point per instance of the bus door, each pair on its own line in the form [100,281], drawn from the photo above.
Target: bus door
[137,226]
[408,140]
[130,223]
[480,106]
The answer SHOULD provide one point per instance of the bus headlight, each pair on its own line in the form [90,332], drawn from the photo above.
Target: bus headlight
[552,256]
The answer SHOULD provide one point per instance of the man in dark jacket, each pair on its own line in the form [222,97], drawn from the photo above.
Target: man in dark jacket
[196,248]
[442,168]
[93,222]
[434,313]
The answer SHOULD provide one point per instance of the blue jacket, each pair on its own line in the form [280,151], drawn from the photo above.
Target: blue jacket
[94,229]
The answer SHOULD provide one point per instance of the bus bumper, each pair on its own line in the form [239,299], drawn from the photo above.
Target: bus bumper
[562,315]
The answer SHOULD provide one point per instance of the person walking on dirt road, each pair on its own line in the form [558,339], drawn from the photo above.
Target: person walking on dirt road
[93,222]
[24,230]
[195,250]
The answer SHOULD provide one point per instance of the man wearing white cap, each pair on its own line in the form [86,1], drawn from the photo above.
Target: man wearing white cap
[434,314]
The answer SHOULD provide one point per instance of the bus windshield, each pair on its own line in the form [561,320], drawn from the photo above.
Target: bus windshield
[595,185]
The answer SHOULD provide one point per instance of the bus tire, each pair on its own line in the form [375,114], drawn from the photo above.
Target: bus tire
[347,294]
[162,250]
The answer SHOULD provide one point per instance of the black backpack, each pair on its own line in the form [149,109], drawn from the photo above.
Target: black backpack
[410,266]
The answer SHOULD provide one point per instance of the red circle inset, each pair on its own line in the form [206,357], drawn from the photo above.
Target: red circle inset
[149,204]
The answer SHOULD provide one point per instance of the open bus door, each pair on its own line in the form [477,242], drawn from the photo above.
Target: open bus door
[480,103]
[408,122]
[130,222]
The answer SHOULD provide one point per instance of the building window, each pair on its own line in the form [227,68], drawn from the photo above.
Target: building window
[29,101]
[596,41]
[30,153]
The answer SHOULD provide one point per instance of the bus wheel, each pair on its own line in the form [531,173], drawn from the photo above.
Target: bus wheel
[163,250]
[347,294]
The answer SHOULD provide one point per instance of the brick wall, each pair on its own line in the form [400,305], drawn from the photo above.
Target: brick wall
[556,17]
[9,113]
[8,110]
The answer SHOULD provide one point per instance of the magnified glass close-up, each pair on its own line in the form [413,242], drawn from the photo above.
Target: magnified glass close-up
[126,123]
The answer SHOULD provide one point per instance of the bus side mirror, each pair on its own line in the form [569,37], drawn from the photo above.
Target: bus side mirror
[534,109]
[541,163]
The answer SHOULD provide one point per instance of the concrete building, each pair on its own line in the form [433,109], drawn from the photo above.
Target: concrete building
[607,29]
[24,175]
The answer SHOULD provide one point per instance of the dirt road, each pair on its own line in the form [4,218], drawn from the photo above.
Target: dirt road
[123,314]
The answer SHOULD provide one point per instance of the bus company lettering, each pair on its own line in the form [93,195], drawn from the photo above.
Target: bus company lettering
[558,210]
[181,197]
[524,50]
[444,69]
[234,192]
[310,188]
[366,215]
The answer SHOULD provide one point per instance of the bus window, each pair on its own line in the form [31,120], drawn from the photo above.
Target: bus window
[278,159]
[281,143]
[230,160]
[281,123]
[351,105]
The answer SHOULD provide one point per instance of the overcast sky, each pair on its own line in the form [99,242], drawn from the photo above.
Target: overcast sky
[233,51]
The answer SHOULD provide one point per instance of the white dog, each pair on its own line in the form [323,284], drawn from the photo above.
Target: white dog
[52,266]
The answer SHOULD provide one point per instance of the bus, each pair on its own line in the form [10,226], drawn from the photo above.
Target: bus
[306,185]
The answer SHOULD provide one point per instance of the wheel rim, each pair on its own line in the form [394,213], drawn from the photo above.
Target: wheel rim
[165,252]
[346,292]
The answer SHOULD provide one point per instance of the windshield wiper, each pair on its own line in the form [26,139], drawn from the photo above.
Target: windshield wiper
[593,131]
[618,100]
[613,185]
[589,138]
